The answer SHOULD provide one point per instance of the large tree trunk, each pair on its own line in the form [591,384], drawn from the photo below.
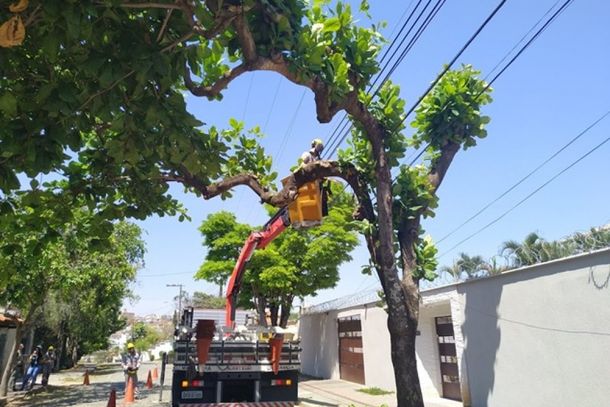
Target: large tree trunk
[403,331]
[274,311]
[402,322]
[286,308]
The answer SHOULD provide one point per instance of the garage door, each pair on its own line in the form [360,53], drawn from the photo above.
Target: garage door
[448,357]
[351,356]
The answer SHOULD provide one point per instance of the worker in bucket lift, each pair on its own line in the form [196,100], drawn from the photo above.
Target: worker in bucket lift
[312,155]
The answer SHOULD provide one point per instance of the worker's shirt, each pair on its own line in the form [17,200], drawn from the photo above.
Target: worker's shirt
[131,361]
[309,157]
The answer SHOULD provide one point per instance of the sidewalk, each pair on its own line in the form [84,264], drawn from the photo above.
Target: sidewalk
[342,394]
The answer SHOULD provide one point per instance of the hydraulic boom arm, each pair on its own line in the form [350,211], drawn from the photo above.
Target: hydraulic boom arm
[256,240]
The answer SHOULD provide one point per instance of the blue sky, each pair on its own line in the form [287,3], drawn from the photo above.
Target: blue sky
[555,90]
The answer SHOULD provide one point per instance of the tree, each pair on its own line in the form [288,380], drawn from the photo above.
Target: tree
[223,237]
[203,300]
[103,81]
[534,249]
[296,264]
[80,290]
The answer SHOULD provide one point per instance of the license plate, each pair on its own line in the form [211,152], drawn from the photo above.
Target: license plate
[192,394]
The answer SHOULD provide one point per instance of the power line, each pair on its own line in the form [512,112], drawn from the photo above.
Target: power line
[527,197]
[277,91]
[290,127]
[519,182]
[534,37]
[521,40]
[459,54]
[243,116]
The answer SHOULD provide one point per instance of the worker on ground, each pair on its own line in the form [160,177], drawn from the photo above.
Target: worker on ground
[131,364]
[33,369]
[313,154]
[48,363]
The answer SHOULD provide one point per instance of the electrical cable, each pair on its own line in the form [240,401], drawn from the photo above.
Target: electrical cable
[534,37]
[277,91]
[519,182]
[494,221]
[290,127]
[243,116]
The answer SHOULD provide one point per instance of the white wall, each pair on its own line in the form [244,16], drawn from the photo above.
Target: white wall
[319,341]
[540,336]
[318,333]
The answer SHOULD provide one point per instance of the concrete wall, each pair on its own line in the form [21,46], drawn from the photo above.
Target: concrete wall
[318,333]
[539,336]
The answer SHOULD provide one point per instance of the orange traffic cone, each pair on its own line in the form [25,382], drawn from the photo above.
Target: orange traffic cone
[129,396]
[149,384]
[155,374]
[276,352]
[112,399]
[86,379]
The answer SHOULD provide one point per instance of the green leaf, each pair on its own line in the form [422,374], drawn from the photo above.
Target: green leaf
[8,104]
[331,24]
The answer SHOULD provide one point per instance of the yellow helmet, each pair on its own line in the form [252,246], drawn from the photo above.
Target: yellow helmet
[130,345]
[51,347]
[317,142]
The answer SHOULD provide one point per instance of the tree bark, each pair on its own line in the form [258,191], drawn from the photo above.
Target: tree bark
[286,308]
[273,310]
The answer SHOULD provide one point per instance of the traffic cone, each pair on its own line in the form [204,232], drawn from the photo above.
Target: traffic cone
[149,383]
[129,396]
[155,374]
[112,399]
[276,352]
[86,379]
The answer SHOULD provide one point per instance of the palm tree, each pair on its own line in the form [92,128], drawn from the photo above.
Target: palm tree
[466,265]
[523,254]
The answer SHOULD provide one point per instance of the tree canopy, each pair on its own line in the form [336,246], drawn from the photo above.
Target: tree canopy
[63,286]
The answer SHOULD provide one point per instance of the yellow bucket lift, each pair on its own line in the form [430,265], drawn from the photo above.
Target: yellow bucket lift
[306,210]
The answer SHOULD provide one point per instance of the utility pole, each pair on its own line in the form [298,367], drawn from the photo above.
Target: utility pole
[179,299]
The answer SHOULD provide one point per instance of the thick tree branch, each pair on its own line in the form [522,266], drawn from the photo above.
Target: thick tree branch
[441,165]
[310,172]
[214,89]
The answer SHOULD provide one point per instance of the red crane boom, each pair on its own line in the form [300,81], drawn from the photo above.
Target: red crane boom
[256,240]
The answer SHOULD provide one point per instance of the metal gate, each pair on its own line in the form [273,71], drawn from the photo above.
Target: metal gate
[449,365]
[351,356]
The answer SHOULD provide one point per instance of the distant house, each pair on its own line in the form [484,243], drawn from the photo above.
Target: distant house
[534,336]
[8,329]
